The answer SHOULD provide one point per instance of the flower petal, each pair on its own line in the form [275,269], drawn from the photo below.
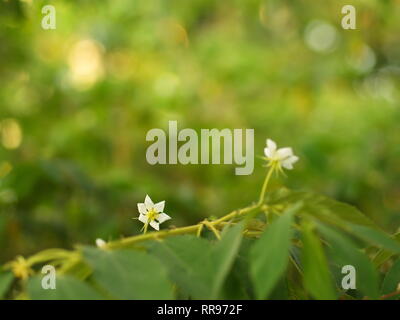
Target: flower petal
[271,145]
[155,225]
[141,208]
[293,159]
[268,152]
[284,153]
[143,218]
[149,204]
[288,163]
[159,207]
[163,217]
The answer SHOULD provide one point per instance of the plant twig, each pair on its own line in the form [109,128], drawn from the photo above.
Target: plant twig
[390,295]
[212,228]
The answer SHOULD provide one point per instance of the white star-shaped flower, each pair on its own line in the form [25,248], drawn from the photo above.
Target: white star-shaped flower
[283,157]
[152,214]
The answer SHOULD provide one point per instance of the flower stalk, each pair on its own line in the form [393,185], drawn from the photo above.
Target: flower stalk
[265,185]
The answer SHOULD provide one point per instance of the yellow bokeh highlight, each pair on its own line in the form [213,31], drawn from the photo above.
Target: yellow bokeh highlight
[11,133]
[5,168]
[85,62]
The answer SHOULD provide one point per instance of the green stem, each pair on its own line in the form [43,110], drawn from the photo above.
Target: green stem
[264,187]
[151,235]
[178,231]
[145,228]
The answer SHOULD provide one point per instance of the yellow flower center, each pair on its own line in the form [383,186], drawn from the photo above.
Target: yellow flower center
[21,268]
[152,215]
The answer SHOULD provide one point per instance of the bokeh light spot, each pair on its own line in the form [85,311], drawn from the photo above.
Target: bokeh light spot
[85,62]
[11,134]
[321,37]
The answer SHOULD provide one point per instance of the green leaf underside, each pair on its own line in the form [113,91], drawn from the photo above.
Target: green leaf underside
[270,254]
[344,252]
[129,274]
[316,276]
[67,288]
[391,282]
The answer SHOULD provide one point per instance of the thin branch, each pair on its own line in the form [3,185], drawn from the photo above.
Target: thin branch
[390,295]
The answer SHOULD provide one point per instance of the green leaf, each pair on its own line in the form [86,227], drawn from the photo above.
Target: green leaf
[6,279]
[343,211]
[67,288]
[376,237]
[237,285]
[344,252]
[383,255]
[129,274]
[281,290]
[391,282]
[188,263]
[223,255]
[270,254]
[321,207]
[316,276]
[196,265]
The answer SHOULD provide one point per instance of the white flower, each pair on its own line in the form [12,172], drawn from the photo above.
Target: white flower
[152,214]
[283,157]
[100,243]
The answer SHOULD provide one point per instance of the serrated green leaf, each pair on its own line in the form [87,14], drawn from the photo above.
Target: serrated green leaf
[6,279]
[344,252]
[129,274]
[67,288]
[270,254]
[316,276]
[391,283]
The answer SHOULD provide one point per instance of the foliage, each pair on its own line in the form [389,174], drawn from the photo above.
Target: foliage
[80,168]
[72,148]
[263,249]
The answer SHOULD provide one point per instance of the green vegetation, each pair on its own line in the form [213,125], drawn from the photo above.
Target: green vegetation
[77,102]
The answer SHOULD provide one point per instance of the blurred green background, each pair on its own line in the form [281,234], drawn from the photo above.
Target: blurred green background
[77,102]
